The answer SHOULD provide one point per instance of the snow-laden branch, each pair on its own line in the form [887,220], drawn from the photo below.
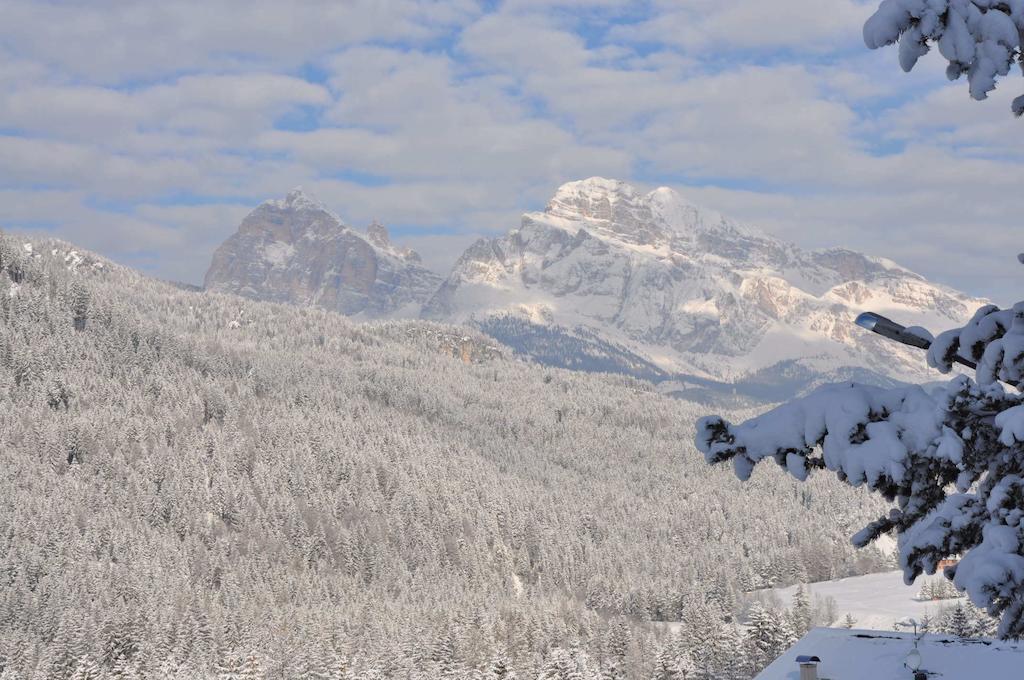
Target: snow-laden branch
[952,459]
[979,38]
[993,338]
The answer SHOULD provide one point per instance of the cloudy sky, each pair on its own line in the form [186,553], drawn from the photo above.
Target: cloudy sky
[146,130]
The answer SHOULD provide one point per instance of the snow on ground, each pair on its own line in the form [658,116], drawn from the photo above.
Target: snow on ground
[875,601]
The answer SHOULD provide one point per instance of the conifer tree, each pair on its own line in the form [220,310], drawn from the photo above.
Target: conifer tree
[958,622]
[80,307]
[767,637]
[665,665]
[87,668]
[558,667]
[736,664]
[619,641]
[801,613]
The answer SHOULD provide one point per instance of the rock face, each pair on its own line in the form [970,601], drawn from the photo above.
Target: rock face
[658,286]
[295,250]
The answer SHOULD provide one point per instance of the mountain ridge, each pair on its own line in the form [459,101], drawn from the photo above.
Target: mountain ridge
[691,290]
[647,284]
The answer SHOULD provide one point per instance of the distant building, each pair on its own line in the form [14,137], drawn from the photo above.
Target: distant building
[841,654]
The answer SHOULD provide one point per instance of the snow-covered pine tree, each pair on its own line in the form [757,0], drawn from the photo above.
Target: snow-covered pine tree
[704,639]
[499,668]
[619,638]
[767,637]
[943,590]
[982,624]
[665,666]
[88,668]
[735,663]
[931,590]
[685,667]
[566,665]
[979,38]
[252,669]
[800,615]
[958,623]
[80,306]
[952,459]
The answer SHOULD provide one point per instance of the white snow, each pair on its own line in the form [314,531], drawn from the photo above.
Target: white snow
[72,258]
[278,253]
[876,655]
[700,308]
[830,415]
[874,601]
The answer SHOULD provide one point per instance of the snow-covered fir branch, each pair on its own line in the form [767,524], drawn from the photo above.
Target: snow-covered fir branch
[981,39]
[952,459]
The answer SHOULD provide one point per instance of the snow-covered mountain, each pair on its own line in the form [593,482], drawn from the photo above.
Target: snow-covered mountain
[296,250]
[607,277]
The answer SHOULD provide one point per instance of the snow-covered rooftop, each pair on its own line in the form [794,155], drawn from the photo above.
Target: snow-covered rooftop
[859,654]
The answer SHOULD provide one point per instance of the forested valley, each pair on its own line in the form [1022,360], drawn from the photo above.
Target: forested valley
[194,485]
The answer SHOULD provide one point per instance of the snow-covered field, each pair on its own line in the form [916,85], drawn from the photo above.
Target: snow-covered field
[875,601]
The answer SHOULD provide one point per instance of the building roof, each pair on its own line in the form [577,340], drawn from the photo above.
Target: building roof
[858,654]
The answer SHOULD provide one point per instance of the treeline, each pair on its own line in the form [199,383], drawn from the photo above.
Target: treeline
[194,485]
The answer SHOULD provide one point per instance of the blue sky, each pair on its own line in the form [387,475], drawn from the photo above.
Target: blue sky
[146,131]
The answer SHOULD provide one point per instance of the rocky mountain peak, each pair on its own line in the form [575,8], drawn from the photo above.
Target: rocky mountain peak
[596,198]
[298,199]
[607,207]
[296,250]
[378,235]
[675,210]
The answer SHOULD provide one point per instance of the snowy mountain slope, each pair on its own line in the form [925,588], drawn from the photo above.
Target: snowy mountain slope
[296,250]
[691,292]
[253,462]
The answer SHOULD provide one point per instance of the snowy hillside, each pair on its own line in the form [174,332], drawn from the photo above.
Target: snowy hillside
[247,484]
[654,280]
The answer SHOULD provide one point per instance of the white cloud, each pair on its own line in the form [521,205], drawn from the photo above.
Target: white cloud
[441,116]
[225,107]
[164,239]
[111,42]
[439,252]
[710,26]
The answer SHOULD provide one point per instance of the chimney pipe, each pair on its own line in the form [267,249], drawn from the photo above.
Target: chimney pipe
[808,667]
